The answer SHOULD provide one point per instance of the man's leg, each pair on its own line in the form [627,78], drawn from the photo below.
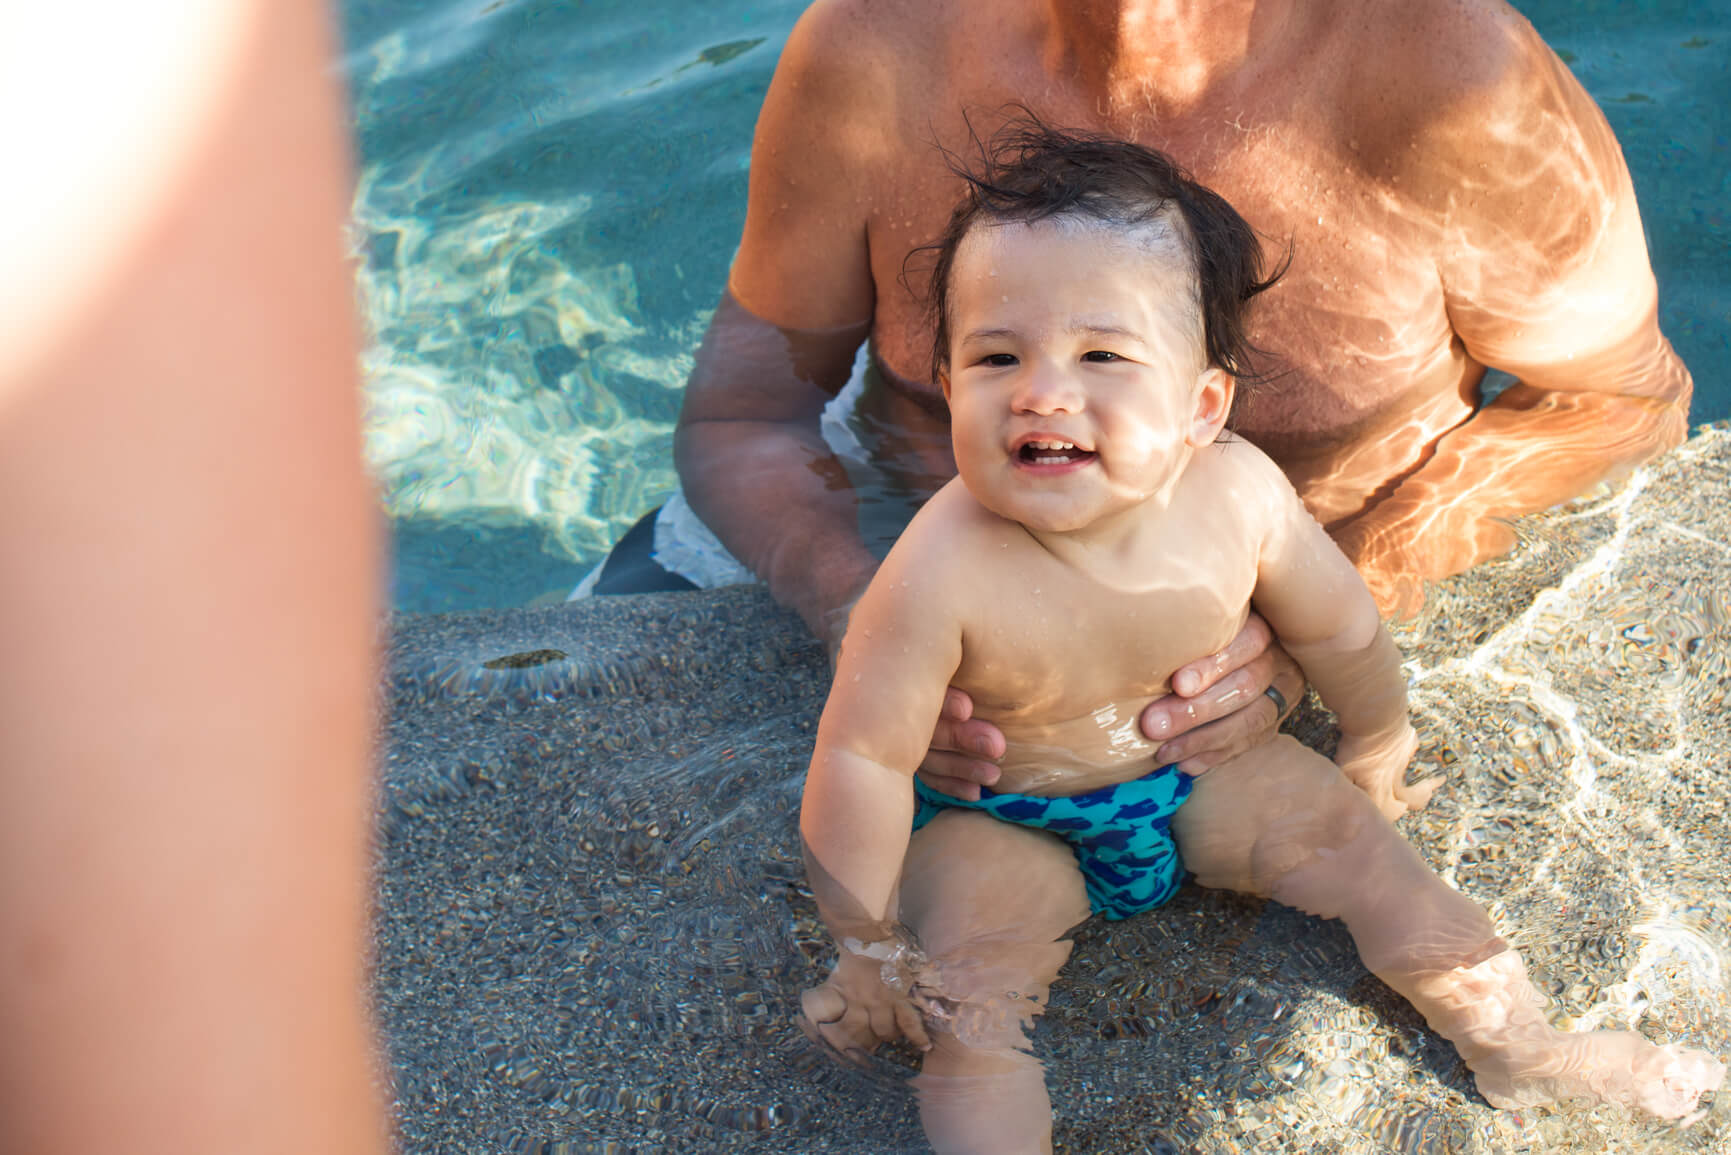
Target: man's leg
[630,567]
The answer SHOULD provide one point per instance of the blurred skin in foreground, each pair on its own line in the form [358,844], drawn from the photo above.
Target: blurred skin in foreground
[188,590]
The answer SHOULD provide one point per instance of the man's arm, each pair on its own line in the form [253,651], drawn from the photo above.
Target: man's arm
[799,303]
[1546,276]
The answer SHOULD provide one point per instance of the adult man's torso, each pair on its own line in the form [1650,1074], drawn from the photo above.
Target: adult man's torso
[1365,373]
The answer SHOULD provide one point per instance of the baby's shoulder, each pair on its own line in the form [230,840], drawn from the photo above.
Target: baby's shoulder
[950,552]
[954,538]
[1233,469]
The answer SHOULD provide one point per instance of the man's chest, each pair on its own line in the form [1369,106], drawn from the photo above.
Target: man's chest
[1357,323]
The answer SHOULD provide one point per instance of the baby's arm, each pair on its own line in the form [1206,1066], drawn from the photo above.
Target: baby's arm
[902,646]
[1324,615]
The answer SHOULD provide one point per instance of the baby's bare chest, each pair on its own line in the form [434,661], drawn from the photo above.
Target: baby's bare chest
[1046,653]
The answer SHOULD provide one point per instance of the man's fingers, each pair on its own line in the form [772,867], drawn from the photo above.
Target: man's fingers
[958,761]
[1193,678]
[957,775]
[1208,746]
[972,736]
[958,706]
[1181,721]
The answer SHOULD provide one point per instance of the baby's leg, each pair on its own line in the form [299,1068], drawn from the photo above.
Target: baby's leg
[991,903]
[1282,822]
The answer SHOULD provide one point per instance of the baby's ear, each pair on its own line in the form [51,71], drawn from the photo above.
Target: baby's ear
[944,384]
[1214,391]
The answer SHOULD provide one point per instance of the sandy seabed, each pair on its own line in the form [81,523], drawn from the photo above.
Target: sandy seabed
[592,927]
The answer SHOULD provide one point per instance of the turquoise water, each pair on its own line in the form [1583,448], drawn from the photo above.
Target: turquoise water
[549,196]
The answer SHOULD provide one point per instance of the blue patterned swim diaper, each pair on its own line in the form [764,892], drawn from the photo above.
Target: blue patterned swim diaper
[1122,834]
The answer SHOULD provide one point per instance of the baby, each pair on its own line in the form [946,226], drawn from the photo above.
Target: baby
[1089,300]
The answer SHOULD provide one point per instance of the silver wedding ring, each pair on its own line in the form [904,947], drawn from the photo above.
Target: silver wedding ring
[1279,701]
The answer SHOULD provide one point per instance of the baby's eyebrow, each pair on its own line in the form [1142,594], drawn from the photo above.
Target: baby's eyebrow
[987,334]
[1101,329]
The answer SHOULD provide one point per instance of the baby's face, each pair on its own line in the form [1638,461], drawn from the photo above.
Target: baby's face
[1076,371]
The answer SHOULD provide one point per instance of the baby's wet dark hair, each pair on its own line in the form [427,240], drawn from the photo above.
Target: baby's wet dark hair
[1030,171]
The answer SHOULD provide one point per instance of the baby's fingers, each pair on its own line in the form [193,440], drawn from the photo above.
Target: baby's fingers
[1418,795]
[886,1022]
[822,1005]
[827,1021]
[913,1025]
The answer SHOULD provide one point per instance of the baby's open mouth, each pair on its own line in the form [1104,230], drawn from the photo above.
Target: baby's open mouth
[1051,453]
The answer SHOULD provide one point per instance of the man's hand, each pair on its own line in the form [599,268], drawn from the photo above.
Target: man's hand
[964,750]
[1218,709]
[854,1012]
[1219,706]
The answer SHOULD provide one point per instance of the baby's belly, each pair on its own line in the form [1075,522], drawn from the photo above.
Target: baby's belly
[1075,756]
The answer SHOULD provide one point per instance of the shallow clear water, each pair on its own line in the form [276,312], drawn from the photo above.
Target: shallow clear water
[550,194]
[593,929]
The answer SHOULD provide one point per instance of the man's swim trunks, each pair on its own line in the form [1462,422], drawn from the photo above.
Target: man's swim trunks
[1122,834]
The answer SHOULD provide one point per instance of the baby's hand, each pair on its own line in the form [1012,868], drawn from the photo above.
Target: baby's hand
[1378,767]
[1405,798]
[854,1012]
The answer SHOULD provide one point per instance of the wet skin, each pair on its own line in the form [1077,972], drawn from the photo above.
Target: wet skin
[1102,527]
[1451,197]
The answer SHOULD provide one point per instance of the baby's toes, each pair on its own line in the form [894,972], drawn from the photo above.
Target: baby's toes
[1676,1079]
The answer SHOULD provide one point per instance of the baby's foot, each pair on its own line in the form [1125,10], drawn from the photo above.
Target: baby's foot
[1606,1066]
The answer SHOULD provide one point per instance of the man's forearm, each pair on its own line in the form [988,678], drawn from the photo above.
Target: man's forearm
[1527,451]
[754,464]
[782,504]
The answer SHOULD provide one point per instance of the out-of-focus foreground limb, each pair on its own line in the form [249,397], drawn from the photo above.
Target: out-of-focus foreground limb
[188,590]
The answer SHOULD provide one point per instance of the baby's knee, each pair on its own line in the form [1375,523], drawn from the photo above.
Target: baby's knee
[986,996]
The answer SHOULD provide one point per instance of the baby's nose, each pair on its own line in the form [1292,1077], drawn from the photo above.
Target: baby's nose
[1046,390]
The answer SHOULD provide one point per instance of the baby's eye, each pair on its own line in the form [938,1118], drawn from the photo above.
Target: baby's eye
[1099,355]
[998,360]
